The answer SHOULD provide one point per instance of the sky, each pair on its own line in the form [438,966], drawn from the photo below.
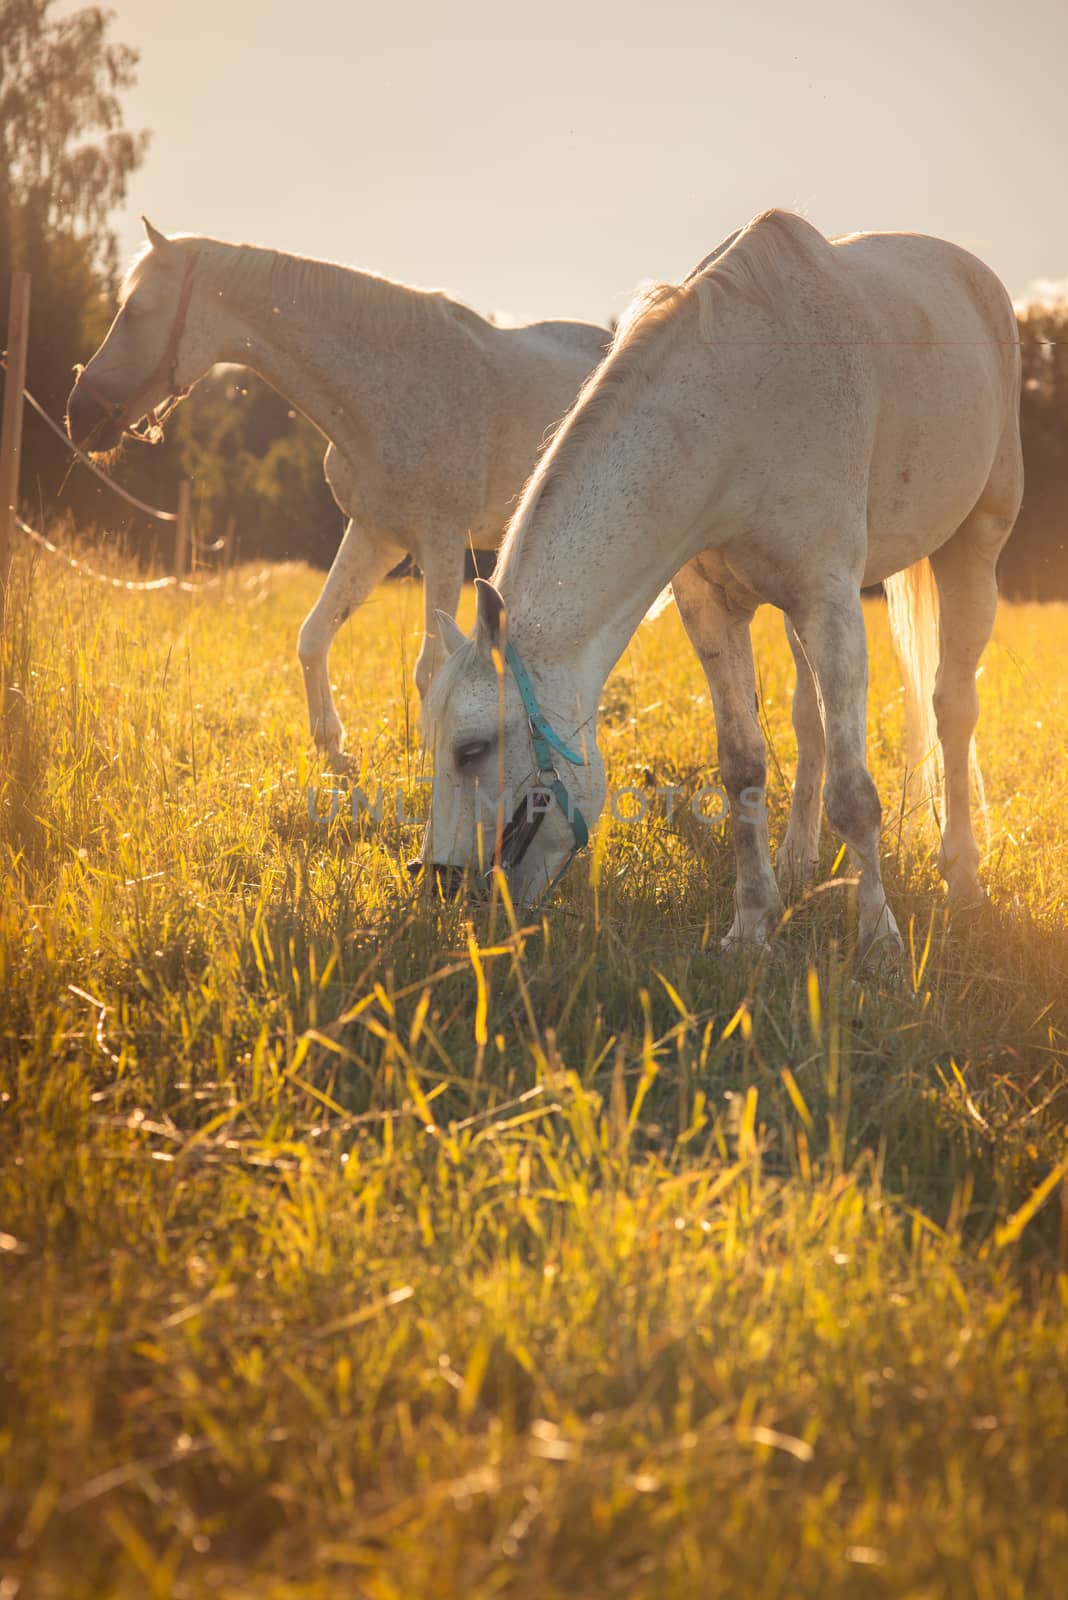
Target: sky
[544,159]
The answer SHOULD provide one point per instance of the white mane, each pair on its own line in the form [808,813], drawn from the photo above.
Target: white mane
[344,293]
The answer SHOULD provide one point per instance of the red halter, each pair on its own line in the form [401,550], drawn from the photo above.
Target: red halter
[165,366]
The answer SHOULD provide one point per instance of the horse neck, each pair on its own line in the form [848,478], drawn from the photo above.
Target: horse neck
[320,334]
[579,573]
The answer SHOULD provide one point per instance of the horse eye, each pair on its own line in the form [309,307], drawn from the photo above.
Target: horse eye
[467,754]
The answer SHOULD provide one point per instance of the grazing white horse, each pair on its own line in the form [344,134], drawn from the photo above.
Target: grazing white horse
[434,415]
[798,419]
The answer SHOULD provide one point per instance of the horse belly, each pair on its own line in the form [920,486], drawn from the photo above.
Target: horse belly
[940,424]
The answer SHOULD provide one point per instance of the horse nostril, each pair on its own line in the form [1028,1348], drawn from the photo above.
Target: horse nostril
[446,879]
[449,879]
[88,424]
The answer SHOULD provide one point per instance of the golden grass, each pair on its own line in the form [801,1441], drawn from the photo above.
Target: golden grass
[347,1248]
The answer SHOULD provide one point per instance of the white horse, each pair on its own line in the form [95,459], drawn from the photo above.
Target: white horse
[434,415]
[798,419]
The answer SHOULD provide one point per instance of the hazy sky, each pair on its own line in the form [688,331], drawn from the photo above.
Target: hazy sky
[544,158]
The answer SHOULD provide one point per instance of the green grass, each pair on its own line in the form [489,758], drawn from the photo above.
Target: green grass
[348,1247]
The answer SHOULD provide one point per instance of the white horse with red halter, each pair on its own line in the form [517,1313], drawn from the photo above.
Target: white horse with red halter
[435,416]
[797,420]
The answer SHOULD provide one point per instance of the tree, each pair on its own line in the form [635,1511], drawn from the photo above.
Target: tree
[65,159]
[253,458]
[1034,564]
[65,156]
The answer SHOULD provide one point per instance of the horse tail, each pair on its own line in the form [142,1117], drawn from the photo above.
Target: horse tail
[661,603]
[912,606]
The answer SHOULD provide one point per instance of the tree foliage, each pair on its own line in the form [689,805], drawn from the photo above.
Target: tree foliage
[1034,565]
[66,156]
[254,459]
[65,159]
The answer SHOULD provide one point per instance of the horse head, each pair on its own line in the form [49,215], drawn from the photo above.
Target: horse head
[149,359]
[509,791]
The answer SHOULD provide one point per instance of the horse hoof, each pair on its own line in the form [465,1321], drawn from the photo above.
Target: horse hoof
[733,944]
[884,956]
[966,902]
[882,950]
[793,874]
[750,934]
[337,762]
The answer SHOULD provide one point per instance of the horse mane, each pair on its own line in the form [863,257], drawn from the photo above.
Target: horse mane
[754,265]
[757,265]
[344,293]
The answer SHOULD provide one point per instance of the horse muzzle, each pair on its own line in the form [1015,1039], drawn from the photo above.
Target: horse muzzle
[449,881]
[90,423]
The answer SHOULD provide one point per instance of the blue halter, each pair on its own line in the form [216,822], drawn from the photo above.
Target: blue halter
[520,831]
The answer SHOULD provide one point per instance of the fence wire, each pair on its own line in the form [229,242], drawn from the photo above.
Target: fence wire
[87,461]
[129,584]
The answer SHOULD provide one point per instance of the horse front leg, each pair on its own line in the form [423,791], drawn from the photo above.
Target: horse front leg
[830,628]
[722,641]
[797,861]
[362,561]
[443,575]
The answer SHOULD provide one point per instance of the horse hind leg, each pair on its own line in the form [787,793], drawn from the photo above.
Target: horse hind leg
[362,561]
[965,573]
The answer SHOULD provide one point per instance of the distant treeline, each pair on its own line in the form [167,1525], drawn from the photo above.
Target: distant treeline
[65,159]
[1034,565]
[253,459]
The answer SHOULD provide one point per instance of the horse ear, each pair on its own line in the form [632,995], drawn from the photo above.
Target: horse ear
[491,617]
[157,240]
[450,633]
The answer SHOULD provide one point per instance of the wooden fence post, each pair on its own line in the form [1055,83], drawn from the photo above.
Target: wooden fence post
[181,530]
[229,540]
[18,336]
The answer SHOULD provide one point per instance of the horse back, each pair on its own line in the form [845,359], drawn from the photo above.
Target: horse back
[944,362]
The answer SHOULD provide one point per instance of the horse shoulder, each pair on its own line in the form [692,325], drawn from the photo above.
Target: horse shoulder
[338,473]
[587,337]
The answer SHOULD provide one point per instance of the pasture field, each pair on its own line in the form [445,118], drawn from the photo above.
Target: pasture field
[353,1244]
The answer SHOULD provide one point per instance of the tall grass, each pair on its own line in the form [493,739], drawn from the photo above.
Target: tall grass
[356,1244]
